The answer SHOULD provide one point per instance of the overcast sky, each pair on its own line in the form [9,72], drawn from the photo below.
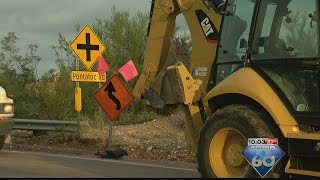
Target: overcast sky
[40,21]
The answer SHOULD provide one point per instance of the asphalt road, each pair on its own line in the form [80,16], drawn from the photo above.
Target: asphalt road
[15,164]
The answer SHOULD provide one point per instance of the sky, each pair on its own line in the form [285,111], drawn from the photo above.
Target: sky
[40,21]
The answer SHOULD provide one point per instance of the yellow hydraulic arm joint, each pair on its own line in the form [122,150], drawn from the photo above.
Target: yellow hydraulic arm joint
[189,86]
[190,95]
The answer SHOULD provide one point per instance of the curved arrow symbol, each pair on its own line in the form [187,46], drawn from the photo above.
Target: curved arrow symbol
[110,88]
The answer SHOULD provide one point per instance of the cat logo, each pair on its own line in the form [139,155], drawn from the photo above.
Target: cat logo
[210,32]
[206,27]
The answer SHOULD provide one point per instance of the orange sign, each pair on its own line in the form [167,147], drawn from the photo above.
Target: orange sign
[113,97]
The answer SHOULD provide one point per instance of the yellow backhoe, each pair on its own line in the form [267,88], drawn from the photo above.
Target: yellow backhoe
[253,72]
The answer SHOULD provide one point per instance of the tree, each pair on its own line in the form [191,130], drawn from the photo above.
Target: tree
[18,72]
[55,90]
[64,56]
[8,55]
[124,37]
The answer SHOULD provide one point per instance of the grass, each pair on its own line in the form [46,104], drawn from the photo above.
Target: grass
[130,117]
[135,114]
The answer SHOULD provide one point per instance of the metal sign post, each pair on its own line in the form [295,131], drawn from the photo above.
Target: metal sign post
[110,135]
[109,139]
[78,86]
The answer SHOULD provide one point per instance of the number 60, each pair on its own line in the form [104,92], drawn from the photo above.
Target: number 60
[257,162]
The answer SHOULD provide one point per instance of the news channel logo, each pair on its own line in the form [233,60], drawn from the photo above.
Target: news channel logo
[263,154]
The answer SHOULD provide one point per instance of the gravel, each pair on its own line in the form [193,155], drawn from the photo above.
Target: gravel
[160,140]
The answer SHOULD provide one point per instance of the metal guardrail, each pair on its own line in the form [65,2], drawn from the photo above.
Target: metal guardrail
[45,125]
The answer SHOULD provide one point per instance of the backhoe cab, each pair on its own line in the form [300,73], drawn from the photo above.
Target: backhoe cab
[253,72]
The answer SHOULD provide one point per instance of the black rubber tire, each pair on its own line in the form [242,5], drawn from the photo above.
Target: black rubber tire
[251,122]
[2,139]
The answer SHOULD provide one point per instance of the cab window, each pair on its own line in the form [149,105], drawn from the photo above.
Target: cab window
[287,29]
[234,37]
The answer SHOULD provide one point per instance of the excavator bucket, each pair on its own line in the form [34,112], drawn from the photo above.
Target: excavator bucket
[166,89]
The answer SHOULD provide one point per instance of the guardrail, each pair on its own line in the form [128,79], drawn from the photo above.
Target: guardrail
[45,125]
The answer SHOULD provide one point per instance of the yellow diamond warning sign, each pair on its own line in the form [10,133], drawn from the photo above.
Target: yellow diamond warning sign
[87,47]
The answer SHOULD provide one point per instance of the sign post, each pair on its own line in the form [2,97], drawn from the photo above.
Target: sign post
[77,97]
[109,139]
[87,47]
[110,135]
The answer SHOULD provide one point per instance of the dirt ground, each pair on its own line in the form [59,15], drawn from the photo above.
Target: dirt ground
[160,140]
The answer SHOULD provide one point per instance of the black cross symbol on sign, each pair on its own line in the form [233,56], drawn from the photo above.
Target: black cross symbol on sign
[88,47]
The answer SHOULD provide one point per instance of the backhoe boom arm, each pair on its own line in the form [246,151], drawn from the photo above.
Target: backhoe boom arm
[204,25]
